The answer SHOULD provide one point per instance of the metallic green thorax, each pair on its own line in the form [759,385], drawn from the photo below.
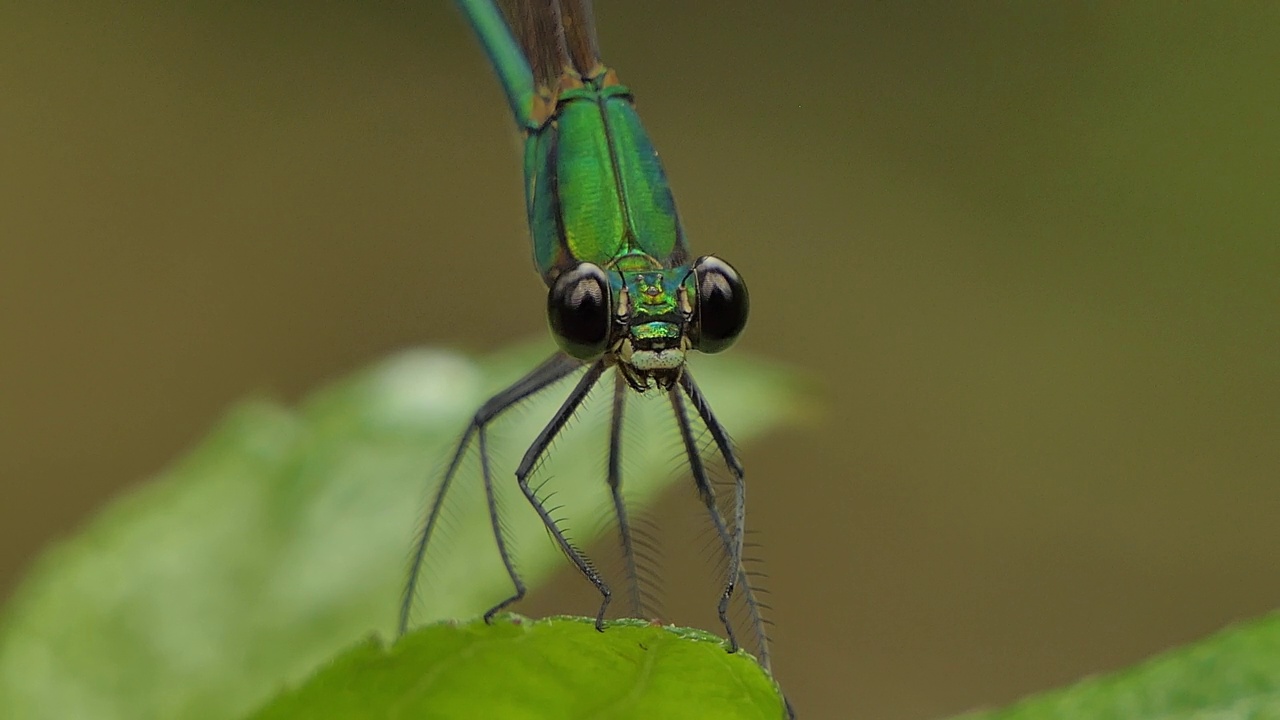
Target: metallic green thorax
[594,187]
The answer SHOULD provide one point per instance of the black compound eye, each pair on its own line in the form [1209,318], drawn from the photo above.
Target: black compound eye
[722,304]
[580,312]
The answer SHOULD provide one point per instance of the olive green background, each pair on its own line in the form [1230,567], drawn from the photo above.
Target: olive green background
[1029,253]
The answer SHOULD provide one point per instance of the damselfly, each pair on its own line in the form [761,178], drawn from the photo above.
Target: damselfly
[624,293]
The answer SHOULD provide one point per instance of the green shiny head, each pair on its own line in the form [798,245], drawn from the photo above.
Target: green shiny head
[647,319]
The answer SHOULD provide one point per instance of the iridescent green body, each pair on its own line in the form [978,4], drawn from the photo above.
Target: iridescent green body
[594,186]
[596,192]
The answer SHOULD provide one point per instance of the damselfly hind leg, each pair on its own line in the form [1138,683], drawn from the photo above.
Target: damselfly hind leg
[731,536]
[530,461]
[620,391]
[554,369]
[495,522]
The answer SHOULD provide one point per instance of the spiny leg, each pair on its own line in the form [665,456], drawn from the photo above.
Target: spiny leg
[737,573]
[620,391]
[725,446]
[553,369]
[495,522]
[705,491]
[530,460]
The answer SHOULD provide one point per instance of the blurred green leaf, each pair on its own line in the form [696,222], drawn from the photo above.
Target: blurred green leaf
[1234,674]
[284,538]
[557,669]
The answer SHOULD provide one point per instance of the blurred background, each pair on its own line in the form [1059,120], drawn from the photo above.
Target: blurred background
[1027,251]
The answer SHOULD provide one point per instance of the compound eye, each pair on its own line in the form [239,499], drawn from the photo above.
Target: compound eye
[580,312]
[722,304]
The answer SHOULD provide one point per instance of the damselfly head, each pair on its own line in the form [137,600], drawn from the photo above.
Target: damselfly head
[647,319]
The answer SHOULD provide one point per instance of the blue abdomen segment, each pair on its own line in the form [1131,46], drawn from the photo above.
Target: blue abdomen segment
[595,189]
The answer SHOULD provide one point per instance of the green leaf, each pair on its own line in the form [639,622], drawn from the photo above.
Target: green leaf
[285,538]
[557,669]
[1234,674]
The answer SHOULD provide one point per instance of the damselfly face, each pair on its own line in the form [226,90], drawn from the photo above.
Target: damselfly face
[645,320]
